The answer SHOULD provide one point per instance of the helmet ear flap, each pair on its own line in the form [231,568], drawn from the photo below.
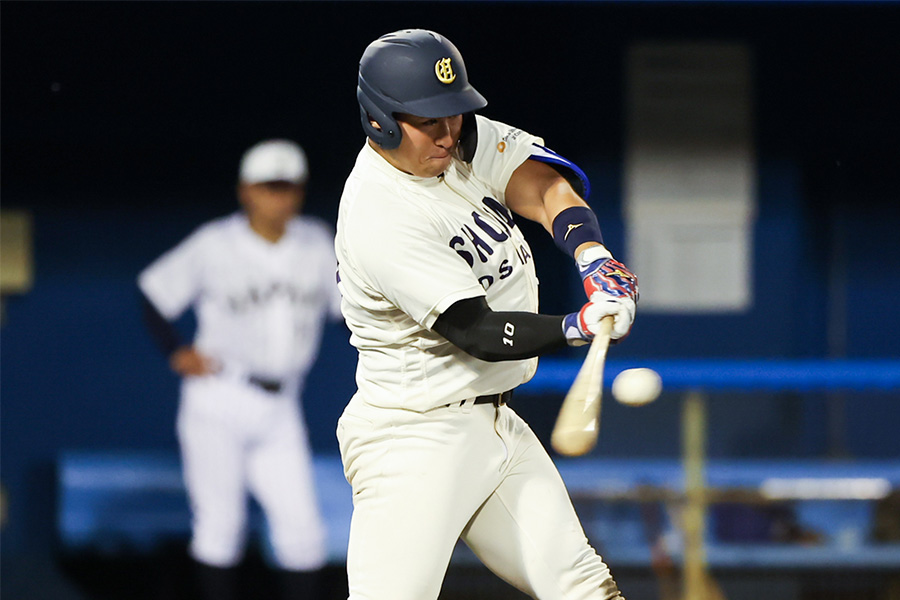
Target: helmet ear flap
[388,136]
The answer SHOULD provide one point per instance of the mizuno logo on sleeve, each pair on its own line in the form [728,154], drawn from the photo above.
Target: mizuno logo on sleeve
[571,228]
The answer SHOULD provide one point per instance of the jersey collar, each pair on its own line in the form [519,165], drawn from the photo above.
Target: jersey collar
[381,164]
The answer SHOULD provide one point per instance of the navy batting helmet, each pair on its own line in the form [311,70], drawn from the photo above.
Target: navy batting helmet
[413,71]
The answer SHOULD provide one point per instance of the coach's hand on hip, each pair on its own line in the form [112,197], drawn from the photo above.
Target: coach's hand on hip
[188,362]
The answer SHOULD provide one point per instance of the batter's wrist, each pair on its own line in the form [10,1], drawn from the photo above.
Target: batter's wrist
[588,257]
[574,227]
[592,254]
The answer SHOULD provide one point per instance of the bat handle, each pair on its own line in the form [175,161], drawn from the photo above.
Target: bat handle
[606,325]
[578,422]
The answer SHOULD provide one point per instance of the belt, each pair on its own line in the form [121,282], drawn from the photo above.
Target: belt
[273,386]
[496,399]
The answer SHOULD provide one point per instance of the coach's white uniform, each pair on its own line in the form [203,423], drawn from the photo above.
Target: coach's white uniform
[426,468]
[260,310]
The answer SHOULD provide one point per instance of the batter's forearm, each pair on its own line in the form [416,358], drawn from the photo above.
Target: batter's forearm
[497,336]
[539,193]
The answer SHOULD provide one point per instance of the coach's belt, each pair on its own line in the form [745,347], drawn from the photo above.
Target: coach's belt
[495,399]
[273,386]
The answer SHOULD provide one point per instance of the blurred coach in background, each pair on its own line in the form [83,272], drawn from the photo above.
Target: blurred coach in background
[262,283]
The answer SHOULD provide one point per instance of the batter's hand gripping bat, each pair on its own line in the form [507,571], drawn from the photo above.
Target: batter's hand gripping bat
[578,422]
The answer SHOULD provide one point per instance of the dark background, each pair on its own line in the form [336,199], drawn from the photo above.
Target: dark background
[123,123]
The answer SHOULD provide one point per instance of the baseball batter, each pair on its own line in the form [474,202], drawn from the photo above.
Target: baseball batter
[440,293]
[262,283]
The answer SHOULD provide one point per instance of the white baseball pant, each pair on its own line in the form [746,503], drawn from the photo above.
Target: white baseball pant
[237,439]
[477,472]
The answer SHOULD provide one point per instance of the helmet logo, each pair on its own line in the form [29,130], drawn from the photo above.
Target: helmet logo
[444,71]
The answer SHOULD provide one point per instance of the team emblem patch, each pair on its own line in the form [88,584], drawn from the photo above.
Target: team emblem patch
[444,71]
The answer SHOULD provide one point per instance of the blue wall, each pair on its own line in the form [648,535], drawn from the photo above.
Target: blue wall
[80,371]
[121,143]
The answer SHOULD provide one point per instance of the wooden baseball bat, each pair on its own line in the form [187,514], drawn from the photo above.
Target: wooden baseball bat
[578,422]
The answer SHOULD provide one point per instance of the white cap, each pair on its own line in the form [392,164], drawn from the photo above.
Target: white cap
[274,160]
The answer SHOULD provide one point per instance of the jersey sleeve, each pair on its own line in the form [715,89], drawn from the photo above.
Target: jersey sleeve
[565,167]
[410,266]
[500,150]
[334,295]
[329,276]
[173,281]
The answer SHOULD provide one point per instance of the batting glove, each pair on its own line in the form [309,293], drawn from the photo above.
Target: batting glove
[610,283]
[580,327]
[600,272]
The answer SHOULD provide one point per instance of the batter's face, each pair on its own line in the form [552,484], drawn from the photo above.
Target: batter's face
[426,146]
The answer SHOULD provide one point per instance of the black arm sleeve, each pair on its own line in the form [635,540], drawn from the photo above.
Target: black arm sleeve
[471,325]
[163,332]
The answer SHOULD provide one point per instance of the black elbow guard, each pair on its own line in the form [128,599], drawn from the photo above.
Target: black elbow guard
[496,336]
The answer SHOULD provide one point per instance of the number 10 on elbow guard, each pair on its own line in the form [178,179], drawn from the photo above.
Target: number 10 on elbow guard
[508,330]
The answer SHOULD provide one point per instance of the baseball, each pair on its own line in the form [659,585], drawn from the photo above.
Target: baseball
[636,387]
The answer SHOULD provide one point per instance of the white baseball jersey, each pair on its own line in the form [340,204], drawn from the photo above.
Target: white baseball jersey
[442,469]
[260,306]
[260,310]
[409,247]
